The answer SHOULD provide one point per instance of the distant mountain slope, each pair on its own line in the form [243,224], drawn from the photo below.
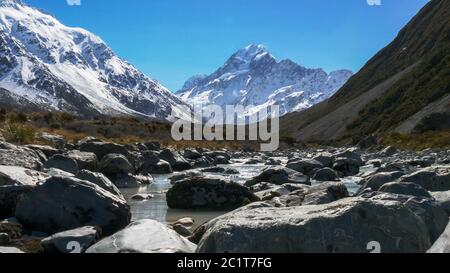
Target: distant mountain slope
[253,77]
[399,82]
[70,69]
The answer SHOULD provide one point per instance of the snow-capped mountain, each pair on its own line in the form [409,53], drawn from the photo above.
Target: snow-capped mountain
[253,77]
[63,68]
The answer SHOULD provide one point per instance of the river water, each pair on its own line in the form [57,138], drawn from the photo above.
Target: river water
[157,209]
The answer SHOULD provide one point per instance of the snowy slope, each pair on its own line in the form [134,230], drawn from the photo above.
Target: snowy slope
[70,69]
[253,77]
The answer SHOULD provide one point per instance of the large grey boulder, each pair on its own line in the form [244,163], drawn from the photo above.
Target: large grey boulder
[307,167]
[405,189]
[376,181]
[326,174]
[11,155]
[326,159]
[346,166]
[47,150]
[19,176]
[442,245]
[208,192]
[325,193]
[100,149]
[345,226]
[430,179]
[14,181]
[351,154]
[85,160]
[152,164]
[279,175]
[124,181]
[443,199]
[144,236]
[115,164]
[434,217]
[64,203]
[175,160]
[99,180]
[62,162]
[75,240]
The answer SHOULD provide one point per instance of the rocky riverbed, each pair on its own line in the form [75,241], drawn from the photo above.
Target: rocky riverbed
[96,196]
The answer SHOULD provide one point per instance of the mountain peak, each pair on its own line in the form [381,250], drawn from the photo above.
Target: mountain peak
[250,52]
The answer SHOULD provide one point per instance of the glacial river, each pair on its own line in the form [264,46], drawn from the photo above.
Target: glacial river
[157,209]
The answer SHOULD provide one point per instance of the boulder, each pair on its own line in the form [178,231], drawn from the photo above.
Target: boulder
[325,193]
[101,149]
[58,172]
[21,157]
[144,236]
[351,154]
[346,166]
[326,159]
[376,181]
[208,192]
[153,146]
[63,163]
[345,226]
[326,174]
[132,181]
[279,175]
[85,160]
[192,154]
[443,199]
[64,203]
[185,175]
[175,160]
[141,197]
[115,164]
[10,250]
[442,245]
[222,160]
[47,150]
[84,237]
[9,196]
[19,176]
[182,230]
[99,180]
[405,189]
[307,167]
[430,179]
[56,140]
[434,217]
[214,170]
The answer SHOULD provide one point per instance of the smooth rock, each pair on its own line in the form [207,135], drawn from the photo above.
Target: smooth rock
[115,164]
[144,236]
[213,193]
[64,203]
[405,189]
[326,174]
[306,167]
[63,163]
[19,176]
[443,199]
[442,245]
[430,179]
[279,175]
[345,226]
[85,160]
[21,157]
[84,237]
[99,180]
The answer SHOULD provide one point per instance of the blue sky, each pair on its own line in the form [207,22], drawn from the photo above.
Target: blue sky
[171,40]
